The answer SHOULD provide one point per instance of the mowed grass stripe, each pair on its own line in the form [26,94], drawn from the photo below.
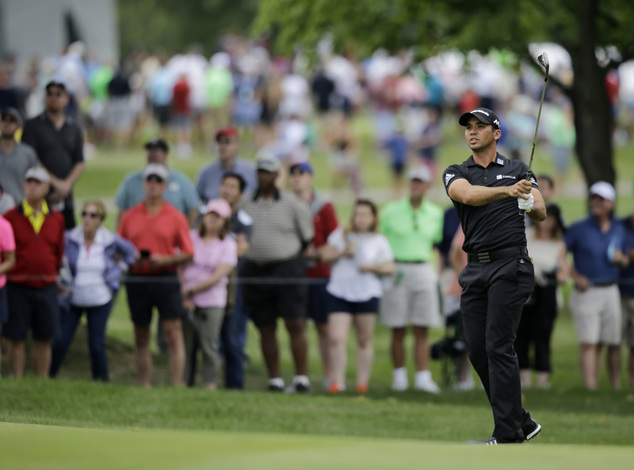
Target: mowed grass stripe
[47,447]
[571,417]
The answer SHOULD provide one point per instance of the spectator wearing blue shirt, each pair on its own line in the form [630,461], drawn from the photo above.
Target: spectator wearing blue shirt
[180,192]
[397,146]
[160,89]
[210,177]
[597,244]
[626,286]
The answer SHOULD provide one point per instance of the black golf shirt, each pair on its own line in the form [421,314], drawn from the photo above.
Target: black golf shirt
[58,150]
[497,225]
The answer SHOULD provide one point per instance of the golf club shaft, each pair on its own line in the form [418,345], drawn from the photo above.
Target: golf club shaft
[543,60]
[539,114]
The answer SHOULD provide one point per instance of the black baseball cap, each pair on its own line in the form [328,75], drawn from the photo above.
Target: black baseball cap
[57,84]
[484,115]
[157,144]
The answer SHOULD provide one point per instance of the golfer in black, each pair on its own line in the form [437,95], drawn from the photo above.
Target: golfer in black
[491,194]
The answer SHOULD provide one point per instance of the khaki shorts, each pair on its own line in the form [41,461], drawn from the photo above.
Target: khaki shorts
[413,299]
[627,308]
[597,315]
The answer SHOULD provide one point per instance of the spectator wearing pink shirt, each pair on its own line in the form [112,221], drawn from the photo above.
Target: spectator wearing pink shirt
[205,290]
[7,261]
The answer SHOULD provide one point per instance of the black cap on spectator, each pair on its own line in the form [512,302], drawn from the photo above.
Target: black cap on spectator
[56,84]
[157,144]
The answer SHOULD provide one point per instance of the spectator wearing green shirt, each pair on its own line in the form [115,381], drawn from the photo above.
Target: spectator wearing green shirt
[412,225]
[219,86]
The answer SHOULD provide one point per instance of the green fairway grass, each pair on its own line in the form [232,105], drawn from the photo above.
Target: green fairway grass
[52,448]
[73,423]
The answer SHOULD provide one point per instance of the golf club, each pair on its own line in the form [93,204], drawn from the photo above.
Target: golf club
[543,60]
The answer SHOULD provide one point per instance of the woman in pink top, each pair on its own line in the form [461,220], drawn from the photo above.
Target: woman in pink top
[205,289]
[7,261]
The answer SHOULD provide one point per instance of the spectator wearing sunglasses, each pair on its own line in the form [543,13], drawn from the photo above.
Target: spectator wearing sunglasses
[59,145]
[15,158]
[412,225]
[161,235]
[92,255]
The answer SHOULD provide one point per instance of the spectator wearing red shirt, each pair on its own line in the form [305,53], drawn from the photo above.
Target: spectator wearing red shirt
[31,284]
[161,235]
[324,222]
[182,114]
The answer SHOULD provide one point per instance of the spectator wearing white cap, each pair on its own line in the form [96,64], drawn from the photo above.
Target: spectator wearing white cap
[161,235]
[597,244]
[413,225]
[31,284]
[204,289]
[282,230]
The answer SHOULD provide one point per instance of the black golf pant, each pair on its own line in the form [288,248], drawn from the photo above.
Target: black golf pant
[491,304]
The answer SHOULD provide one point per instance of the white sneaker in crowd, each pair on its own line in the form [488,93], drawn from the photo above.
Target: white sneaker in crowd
[276,384]
[301,384]
[400,383]
[425,383]
[465,385]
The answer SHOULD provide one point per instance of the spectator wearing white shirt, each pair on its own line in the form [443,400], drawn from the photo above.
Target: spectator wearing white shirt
[360,256]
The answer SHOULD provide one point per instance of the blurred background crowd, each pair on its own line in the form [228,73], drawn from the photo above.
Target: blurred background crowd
[284,102]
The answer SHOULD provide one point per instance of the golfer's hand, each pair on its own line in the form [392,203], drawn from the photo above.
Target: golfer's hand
[520,188]
[526,202]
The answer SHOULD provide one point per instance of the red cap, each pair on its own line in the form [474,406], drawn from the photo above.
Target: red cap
[227,131]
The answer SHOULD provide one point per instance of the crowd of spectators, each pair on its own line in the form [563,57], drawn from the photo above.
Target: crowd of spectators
[235,245]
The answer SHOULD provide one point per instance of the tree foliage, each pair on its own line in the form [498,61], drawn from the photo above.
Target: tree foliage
[585,28]
[171,25]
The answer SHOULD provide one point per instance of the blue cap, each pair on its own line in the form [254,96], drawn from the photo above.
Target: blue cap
[303,166]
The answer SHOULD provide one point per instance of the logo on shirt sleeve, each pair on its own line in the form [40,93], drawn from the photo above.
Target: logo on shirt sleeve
[448,178]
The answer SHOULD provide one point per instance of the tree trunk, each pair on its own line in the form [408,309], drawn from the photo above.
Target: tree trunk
[593,120]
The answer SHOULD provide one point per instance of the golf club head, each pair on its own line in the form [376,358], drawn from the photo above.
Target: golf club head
[543,60]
